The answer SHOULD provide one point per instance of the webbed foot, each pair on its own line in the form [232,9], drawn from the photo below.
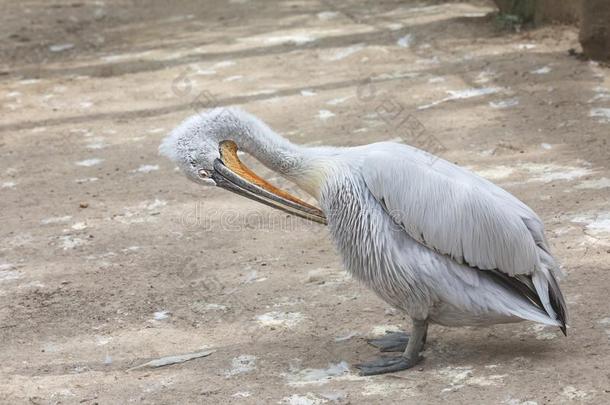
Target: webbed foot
[384,365]
[412,346]
[391,342]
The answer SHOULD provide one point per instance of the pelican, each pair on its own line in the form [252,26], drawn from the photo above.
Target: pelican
[430,238]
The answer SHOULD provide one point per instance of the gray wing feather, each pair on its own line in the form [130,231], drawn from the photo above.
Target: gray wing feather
[458,218]
[459,214]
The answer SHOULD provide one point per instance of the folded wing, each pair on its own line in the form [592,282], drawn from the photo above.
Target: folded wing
[461,215]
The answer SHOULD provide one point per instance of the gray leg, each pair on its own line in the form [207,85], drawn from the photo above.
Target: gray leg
[408,359]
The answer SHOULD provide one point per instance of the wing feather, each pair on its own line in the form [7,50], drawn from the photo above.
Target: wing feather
[457,218]
[461,215]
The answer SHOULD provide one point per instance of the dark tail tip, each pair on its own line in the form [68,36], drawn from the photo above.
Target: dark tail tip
[558,304]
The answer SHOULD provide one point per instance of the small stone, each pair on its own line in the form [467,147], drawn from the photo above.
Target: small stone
[83,205]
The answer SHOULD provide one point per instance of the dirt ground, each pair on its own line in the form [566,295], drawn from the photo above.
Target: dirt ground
[110,258]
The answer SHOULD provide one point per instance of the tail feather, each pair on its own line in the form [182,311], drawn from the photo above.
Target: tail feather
[549,273]
[540,279]
[543,293]
[551,296]
[558,303]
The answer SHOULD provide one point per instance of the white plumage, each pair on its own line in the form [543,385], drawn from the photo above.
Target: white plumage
[432,239]
[439,233]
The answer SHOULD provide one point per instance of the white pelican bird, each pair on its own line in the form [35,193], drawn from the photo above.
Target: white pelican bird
[430,238]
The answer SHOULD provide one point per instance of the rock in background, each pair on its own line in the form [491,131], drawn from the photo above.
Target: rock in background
[543,11]
[593,16]
[595,29]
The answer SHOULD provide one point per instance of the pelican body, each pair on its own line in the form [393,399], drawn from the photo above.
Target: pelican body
[430,238]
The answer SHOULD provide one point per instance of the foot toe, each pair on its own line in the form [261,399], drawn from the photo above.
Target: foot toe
[380,362]
[391,342]
[384,365]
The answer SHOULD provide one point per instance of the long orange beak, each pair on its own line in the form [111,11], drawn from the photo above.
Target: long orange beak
[230,173]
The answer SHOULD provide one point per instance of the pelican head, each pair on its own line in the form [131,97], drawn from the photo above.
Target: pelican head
[205,148]
[194,146]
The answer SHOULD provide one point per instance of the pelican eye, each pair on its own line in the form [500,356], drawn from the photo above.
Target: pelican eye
[205,173]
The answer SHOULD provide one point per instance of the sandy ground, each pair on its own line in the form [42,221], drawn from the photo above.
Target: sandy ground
[110,258]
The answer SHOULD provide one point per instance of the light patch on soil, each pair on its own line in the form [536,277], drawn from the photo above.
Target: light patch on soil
[89,162]
[601,94]
[86,180]
[253,277]
[595,224]
[317,376]
[328,15]
[296,39]
[526,47]
[437,79]
[487,381]
[7,273]
[79,226]
[602,113]
[61,47]
[462,95]
[405,41]
[135,215]
[344,52]
[486,76]
[389,389]
[595,184]
[161,315]
[70,242]
[97,143]
[496,173]
[383,329]
[147,168]
[56,220]
[325,114]
[278,318]
[541,71]
[502,104]
[307,399]
[338,100]
[550,172]
[544,332]
[209,306]
[232,78]
[514,401]
[244,363]
[574,394]
[326,276]
[459,377]
[455,376]
[604,321]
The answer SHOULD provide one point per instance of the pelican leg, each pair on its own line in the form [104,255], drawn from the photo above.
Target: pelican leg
[391,342]
[408,359]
